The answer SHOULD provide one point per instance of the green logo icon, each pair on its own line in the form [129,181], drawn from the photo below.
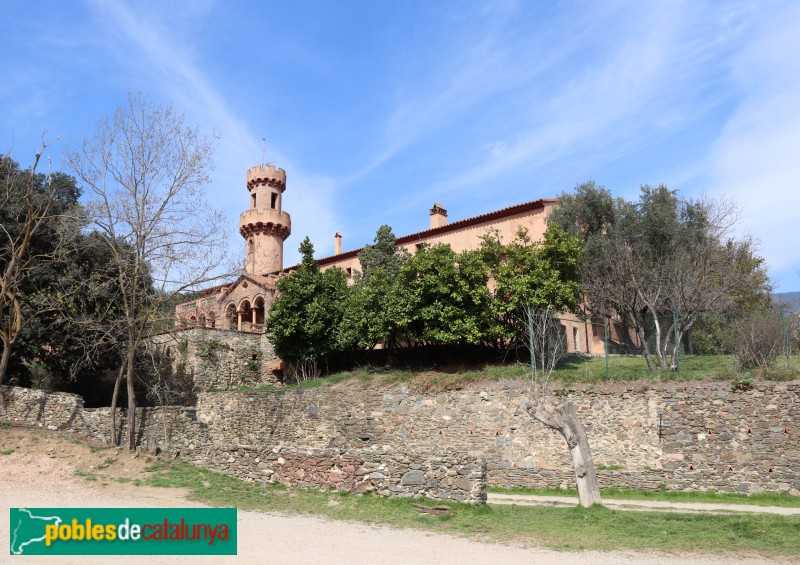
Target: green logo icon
[122,531]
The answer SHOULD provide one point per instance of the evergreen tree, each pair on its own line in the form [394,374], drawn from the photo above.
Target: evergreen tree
[304,320]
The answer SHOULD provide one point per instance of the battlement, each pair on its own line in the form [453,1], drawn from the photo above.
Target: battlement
[269,222]
[266,175]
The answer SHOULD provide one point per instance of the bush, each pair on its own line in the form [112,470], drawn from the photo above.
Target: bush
[756,339]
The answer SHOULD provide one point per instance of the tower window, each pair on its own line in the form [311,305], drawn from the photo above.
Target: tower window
[253,204]
[250,247]
[274,201]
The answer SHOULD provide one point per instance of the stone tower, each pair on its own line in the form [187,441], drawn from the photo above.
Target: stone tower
[265,226]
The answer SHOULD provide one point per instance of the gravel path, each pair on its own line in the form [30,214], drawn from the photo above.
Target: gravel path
[48,480]
[643,505]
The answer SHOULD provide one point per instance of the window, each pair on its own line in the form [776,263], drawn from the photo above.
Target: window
[274,201]
[349,272]
[253,202]
[575,339]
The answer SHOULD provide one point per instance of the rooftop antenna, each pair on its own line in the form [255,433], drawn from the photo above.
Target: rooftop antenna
[263,151]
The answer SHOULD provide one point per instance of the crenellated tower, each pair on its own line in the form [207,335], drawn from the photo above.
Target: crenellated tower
[265,226]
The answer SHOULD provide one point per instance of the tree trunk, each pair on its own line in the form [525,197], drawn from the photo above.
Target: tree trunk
[131,399]
[114,398]
[662,361]
[647,355]
[6,355]
[564,420]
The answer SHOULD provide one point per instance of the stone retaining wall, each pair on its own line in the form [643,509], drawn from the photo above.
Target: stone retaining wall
[219,359]
[697,436]
[50,410]
[453,476]
[449,475]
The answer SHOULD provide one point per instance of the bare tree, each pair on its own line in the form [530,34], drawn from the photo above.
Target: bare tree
[144,171]
[27,201]
[546,343]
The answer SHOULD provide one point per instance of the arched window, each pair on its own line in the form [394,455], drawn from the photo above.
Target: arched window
[230,316]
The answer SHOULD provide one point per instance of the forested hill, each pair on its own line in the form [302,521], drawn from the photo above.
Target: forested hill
[792,299]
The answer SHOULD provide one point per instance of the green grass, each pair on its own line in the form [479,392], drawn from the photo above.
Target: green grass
[757,499]
[571,529]
[87,475]
[7,452]
[572,370]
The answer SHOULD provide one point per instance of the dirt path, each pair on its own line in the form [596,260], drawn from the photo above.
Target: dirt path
[47,479]
[644,505]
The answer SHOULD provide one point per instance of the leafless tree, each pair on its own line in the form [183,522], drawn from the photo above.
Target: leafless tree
[144,172]
[546,343]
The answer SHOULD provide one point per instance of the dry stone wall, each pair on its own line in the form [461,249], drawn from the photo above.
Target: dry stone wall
[693,436]
[452,476]
[219,359]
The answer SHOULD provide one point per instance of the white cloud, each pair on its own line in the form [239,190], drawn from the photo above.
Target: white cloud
[756,158]
[169,62]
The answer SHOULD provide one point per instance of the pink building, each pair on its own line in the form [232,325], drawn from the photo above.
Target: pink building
[242,305]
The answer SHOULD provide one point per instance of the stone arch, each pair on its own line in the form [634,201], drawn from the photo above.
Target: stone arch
[230,316]
[259,310]
[192,320]
[245,313]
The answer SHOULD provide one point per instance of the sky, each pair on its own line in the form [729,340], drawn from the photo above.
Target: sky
[378,109]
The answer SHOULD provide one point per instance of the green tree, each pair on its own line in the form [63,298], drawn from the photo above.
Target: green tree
[453,304]
[304,319]
[540,274]
[660,255]
[31,208]
[379,307]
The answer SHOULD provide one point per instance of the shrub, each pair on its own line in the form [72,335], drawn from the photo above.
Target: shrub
[756,339]
[208,349]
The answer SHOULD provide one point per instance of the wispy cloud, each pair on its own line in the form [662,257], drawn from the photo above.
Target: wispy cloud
[756,157]
[166,60]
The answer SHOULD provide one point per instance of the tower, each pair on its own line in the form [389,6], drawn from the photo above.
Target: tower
[265,226]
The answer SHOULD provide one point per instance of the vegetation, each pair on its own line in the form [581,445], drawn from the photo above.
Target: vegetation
[574,529]
[570,372]
[661,263]
[143,170]
[757,499]
[304,320]
[435,297]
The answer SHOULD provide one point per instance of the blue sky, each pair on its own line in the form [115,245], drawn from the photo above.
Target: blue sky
[377,109]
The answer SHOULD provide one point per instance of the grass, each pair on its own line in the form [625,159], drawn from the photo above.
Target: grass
[86,475]
[572,370]
[7,452]
[757,499]
[573,529]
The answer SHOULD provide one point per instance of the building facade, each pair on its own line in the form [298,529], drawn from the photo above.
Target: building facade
[243,304]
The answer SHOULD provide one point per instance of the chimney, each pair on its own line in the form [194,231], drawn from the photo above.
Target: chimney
[438,216]
[337,244]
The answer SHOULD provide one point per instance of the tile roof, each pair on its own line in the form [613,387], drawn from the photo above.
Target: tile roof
[460,224]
